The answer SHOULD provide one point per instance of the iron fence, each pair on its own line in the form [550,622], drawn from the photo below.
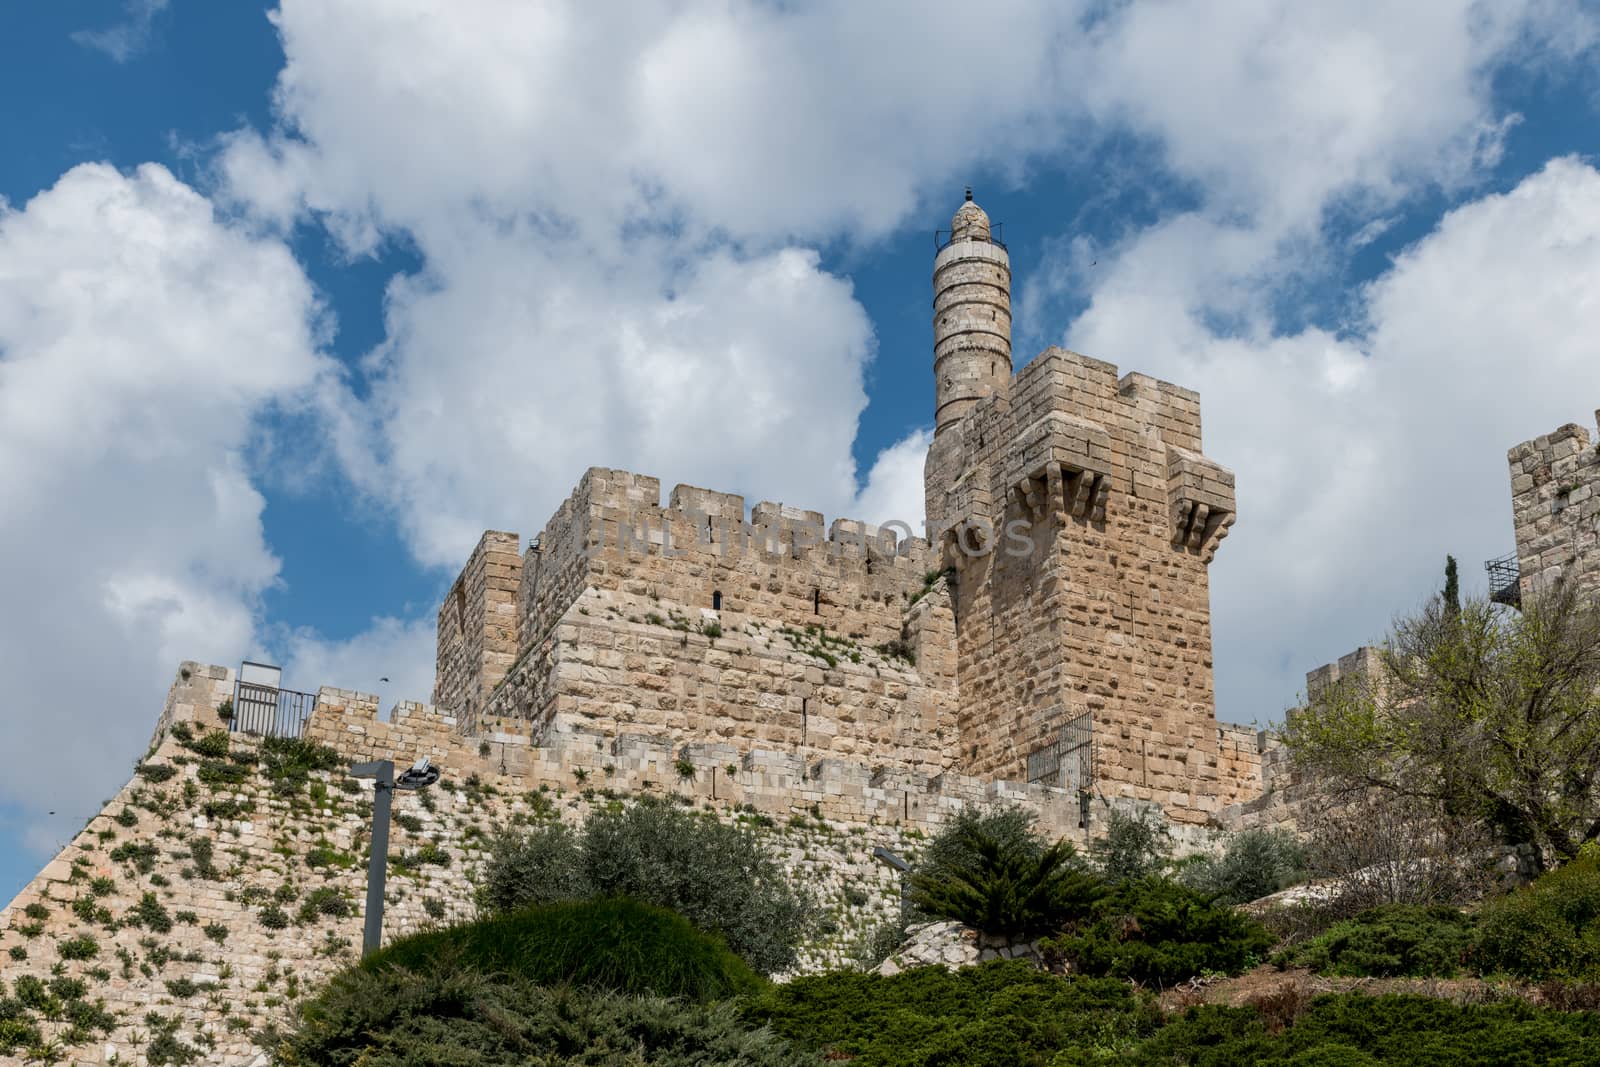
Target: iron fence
[268,711]
[1067,762]
[1505,580]
[942,239]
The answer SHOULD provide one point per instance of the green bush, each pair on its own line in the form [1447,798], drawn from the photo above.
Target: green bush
[1550,929]
[951,850]
[217,772]
[326,901]
[611,944]
[214,744]
[389,1017]
[1133,846]
[720,876]
[999,1014]
[150,914]
[1253,864]
[1006,887]
[289,762]
[1353,1030]
[1159,932]
[1391,940]
[82,947]
[155,772]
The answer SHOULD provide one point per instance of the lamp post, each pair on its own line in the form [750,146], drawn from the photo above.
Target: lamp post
[419,776]
[891,860]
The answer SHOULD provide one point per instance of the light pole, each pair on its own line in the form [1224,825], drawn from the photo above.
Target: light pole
[419,776]
[890,859]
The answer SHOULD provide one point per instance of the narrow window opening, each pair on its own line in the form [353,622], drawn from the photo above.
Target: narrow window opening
[816,601]
[711,538]
[804,703]
[716,600]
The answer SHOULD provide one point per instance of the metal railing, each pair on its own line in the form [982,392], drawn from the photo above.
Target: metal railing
[942,239]
[268,711]
[1505,580]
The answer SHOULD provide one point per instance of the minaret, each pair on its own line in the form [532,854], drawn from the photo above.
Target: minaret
[971,317]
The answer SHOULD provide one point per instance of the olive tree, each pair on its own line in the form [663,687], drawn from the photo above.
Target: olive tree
[1486,716]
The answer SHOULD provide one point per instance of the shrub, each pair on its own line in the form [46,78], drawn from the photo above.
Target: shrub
[613,944]
[1253,864]
[214,744]
[1550,929]
[155,772]
[1159,932]
[1134,846]
[141,854]
[288,762]
[397,1018]
[127,817]
[215,931]
[1391,940]
[719,876]
[1007,888]
[999,1014]
[1355,1030]
[951,849]
[82,947]
[273,917]
[150,914]
[228,808]
[215,772]
[36,910]
[182,988]
[326,901]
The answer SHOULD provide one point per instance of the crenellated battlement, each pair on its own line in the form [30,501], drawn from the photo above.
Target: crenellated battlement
[1053,623]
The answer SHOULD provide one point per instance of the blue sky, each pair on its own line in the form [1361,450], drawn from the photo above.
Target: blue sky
[294,301]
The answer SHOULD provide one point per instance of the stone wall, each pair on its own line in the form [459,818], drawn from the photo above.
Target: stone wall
[1555,504]
[216,892]
[478,626]
[1081,518]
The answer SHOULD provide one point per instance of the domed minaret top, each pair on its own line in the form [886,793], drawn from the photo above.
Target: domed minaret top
[970,222]
[971,316]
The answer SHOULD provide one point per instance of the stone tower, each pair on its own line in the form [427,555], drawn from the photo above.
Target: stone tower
[971,317]
[1080,517]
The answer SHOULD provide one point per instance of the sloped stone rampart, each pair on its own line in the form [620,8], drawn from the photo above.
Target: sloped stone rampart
[216,889]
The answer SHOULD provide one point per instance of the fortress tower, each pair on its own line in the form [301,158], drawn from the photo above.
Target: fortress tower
[1080,517]
[971,317]
[1053,630]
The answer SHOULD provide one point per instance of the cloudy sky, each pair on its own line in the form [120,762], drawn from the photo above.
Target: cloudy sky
[295,300]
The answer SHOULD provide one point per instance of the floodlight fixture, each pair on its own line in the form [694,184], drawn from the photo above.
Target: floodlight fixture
[883,855]
[419,775]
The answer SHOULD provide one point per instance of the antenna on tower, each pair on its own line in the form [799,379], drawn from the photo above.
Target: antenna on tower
[969,192]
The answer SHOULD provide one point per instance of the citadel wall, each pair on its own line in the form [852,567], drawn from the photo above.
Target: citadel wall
[211,895]
[1555,505]
[1081,518]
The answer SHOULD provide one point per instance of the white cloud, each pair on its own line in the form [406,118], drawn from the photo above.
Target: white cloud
[123,40]
[1362,462]
[139,338]
[894,491]
[392,658]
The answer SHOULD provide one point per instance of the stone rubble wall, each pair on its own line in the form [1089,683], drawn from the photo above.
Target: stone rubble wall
[1555,505]
[230,942]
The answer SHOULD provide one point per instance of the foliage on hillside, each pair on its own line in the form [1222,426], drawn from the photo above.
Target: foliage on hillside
[1391,940]
[718,875]
[1479,715]
[614,944]
[447,1014]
